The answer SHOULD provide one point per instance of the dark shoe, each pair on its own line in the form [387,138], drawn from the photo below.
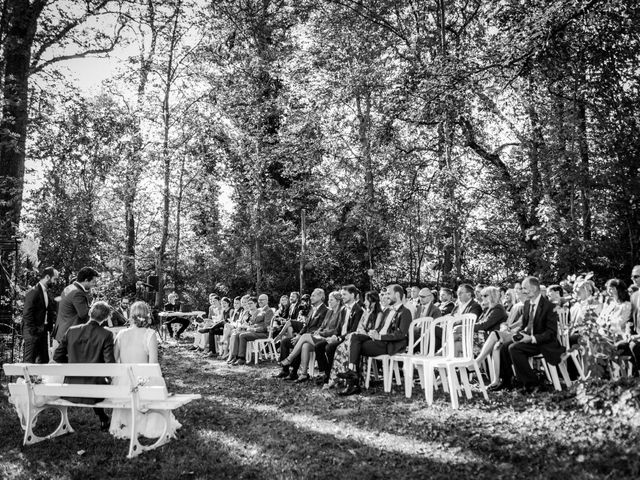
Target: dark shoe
[500,386]
[322,380]
[348,375]
[281,374]
[240,361]
[302,378]
[193,348]
[353,389]
[292,376]
[231,360]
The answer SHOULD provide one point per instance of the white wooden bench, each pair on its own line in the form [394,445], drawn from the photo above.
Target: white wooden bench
[140,387]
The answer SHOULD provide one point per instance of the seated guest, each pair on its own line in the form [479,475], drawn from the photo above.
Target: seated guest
[174,306]
[203,325]
[263,305]
[635,296]
[477,291]
[493,312]
[426,307]
[120,316]
[257,329]
[466,302]
[294,305]
[349,320]
[391,339]
[219,318]
[281,315]
[616,315]
[509,299]
[554,294]
[540,336]
[295,324]
[89,343]
[446,301]
[239,323]
[290,356]
[371,320]
[504,334]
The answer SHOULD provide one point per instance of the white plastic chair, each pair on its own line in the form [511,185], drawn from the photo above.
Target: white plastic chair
[265,347]
[551,371]
[453,359]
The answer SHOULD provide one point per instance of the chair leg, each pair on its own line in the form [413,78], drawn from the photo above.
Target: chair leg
[396,372]
[429,376]
[565,373]
[366,377]
[578,365]
[476,367]
[465,381]
[443,377]
[312,364]
[408,377]
[554,376]
[387,375]
[453,391]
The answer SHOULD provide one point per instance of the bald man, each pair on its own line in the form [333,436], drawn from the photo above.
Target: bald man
[426,306]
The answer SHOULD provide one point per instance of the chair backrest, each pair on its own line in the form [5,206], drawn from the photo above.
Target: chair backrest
[459,331]
[563,327]
[440,322]
[419,334]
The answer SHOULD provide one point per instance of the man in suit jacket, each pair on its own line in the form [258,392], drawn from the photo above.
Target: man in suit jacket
[89,343]
[466,301]
[294,305]
[426,307]
[540,336]
[391,339]
[349,320]
[316,316]
[75,301]
[635,298]
[120,316]
[446,301]
[38,318]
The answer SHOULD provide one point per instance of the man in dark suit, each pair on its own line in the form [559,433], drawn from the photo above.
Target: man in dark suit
[74,302]
[466,301]
[446,301]
[540,336]
[294,305]
[391,339]
[316,316]
[38,318]
[426,307]
[120,315]
[349,320]
[89,343]
[174,306]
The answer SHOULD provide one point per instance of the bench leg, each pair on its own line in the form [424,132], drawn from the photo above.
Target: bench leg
[63,427]
[135,447]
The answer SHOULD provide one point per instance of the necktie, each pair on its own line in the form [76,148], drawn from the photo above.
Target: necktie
[531,315]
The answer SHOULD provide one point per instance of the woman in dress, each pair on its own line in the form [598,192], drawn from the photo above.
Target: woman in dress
[139,344]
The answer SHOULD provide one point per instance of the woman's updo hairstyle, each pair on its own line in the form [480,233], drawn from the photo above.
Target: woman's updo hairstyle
[140,314]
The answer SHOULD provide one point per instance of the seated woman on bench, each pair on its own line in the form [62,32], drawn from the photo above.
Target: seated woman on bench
[138,344]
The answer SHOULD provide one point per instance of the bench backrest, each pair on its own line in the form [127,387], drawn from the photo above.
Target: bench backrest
[145,378]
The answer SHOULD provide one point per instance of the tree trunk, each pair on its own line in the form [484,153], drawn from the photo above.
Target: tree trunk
[166,120]
[21,20]
[176,252]
[585,179]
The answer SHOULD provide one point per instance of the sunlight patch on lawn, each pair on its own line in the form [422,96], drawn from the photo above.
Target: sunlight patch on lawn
[374,439]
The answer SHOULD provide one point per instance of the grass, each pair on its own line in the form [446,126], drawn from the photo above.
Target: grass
[249,425]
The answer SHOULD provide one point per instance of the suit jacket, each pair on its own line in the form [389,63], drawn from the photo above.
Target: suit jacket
[330,323]
[315,321]
[472,307]
[119,317]
[491,319]
[397,336]
[35,312]
[447,308]
[73,309]
[429,310]
[544,327]
[294,309]
[260,322]
[268,314]
[87,343]
[352,321]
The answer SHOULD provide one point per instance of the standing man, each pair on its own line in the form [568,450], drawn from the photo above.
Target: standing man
[391,339]
[540,336]
[38,318]
[74,302]
[89,343]
[426,307]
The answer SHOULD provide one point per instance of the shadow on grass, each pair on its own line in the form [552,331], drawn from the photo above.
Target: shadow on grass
[249,425]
